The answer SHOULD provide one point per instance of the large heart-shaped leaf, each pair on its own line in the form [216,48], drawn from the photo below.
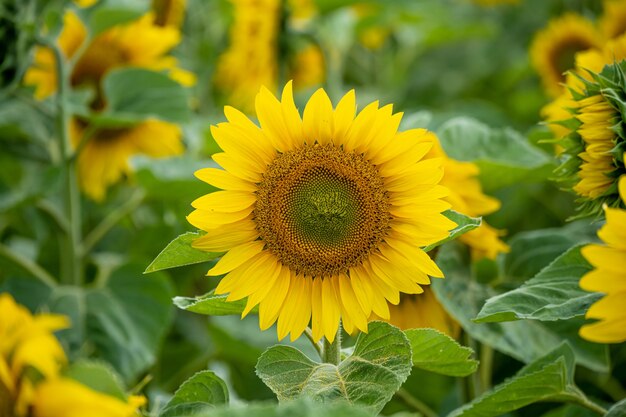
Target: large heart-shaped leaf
[202,391]
[437,352]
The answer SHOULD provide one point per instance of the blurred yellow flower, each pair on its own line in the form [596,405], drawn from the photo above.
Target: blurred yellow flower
[27,343]
[613,20]
[416,311]
[140,43]
[330,209]
[251,60]
[553,49]
[307,68]
[104,159]
[370,34]
[169,12]
[609,277]
[85,3]
[495,2]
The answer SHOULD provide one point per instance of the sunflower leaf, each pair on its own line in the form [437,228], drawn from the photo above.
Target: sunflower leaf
[301,408]
[201,392]
[553,294]
[212,305]
[503,155]
[381,362]
[550,377]
[179,252]
[98,376]
[464,225]
[618,410]
[437,352]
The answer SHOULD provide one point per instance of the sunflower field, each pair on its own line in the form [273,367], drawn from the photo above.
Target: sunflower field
[312,208]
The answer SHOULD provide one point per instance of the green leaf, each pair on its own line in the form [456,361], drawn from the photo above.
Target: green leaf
[464,224]
[179,252]
[463,297]
[534,250]
[201,392]
[437,352]
[124,321]
[105,18]
[554,294]
[618,410]
[380,363]
[135,94]
[504,156]
[304,407]
[549,378]
[212,305]
[98,376]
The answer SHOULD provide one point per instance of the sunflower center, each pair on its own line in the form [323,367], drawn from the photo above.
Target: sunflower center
[321,210]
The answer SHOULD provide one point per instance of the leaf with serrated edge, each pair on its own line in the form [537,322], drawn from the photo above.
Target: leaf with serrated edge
[464,224]
[553,294]
[381,362]
[179,252]
[548,378]
[202,391]
[437,352]
[212,305]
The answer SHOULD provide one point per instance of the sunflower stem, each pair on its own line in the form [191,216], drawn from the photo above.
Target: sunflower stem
[70,257]
[486,366]
[317,345]
[588,404]
[415,403]
[331,353]
[27,265]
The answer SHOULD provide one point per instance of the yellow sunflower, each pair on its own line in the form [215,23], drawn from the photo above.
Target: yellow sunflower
[417,311]
[27,343]
[322,217]
[251,58]
[613,21]
[553,48]
[169,12]
[609,277]
[307,67]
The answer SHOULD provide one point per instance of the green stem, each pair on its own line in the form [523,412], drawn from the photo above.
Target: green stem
[486,366]
[588,404]
[331,353]
[309,335]
[415,403]
[110,221]
[71,259]
[27,265]
[470,383]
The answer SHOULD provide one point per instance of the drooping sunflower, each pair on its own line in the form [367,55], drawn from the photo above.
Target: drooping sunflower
[321,217]
[594,145]
[251,59]
[553,49]
[613,20]
[141,43]
[609,277]
[31,360]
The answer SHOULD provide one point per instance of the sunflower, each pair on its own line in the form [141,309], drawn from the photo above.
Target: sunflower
[322,217]
[251,60]
[417,311]
[594,146]
[609,277]
[169,12]
[104,159]
[553,48]
[31,360]
[307,67]
[613,21]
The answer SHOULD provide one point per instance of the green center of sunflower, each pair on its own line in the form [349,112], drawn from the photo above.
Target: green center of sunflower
[321,210]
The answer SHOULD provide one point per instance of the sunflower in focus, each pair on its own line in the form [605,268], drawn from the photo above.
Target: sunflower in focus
[553,49]
[251,59]
[613,21]
[322,216]
[594,147]
[31,361]
[609,277]
[141,43]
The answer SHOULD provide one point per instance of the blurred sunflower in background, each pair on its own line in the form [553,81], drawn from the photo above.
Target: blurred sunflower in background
[31,361]
[553,49]
[608,276]
[590,120]
[612,23]
[169,12]
[141,43]
[330,208]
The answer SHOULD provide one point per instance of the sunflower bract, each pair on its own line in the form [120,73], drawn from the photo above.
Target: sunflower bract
[321,217]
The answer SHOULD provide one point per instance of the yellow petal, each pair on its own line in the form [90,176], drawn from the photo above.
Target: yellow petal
[271,305]
[331,310]
[236,257]
[225,201]
[224,180]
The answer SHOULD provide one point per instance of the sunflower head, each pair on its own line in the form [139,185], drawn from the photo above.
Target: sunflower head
[553,49]
[321,216]
[595,147]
